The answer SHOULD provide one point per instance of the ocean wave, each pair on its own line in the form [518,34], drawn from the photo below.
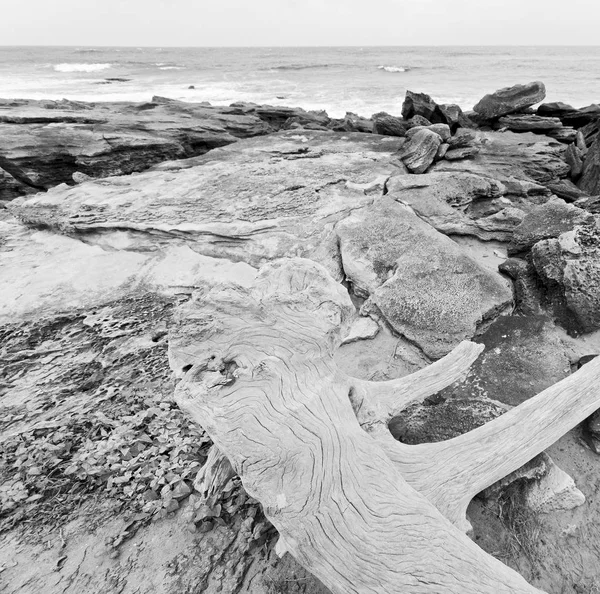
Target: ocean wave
[171,67]
[393,68]
[68,67]
[300,67]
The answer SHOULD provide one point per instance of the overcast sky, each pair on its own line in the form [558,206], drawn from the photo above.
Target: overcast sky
[299,22]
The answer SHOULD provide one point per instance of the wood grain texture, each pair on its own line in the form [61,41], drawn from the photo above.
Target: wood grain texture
[258,374]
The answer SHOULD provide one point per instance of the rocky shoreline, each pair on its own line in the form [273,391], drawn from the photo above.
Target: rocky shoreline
[442,225]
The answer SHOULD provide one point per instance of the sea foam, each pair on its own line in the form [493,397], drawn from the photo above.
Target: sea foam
[69,67]
[393,68]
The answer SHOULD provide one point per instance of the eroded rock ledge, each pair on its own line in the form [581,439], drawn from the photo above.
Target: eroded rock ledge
[417,254]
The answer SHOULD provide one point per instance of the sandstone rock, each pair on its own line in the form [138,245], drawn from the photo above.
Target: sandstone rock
[590,177]
[461,153]
[255,200]
[451,202]
[388,125]
[574,158]
[566,134]
[442,130]
[11,188]
[419,121]
[556,491]
[462,139]
[419,152]
[589,133]
[546,221]
[401,261]
[510,100]
[566,189]
[511,157]
[523,356]
[582,116]
[453,116]
[46,142]
[529,123]
[352,123]
[443,419]
[556,109]
[589,203]
[442,150]
[362,329]
[420,104]
[529,292]
[569,266]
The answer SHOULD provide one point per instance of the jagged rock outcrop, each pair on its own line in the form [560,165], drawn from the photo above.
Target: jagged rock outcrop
[419,104]
[512,158]
[590,175]
[569,266]
[546,221]
[510,100]
[48,141]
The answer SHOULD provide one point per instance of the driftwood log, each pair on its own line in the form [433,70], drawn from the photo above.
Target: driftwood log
[361,511]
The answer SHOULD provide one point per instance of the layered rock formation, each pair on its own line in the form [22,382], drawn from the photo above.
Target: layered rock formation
[412,214]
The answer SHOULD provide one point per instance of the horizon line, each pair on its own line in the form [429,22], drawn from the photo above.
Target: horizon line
[2,45]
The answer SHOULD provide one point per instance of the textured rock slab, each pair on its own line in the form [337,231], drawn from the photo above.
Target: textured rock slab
[253,201]
[546,221]
[459,203]
[523,355]
[42,273]
[401,262]
[556,491]
[510,100]
[512,157]
[386,124]
[48,141]
[529,123]
[570,268]
[420,151]
[590,177]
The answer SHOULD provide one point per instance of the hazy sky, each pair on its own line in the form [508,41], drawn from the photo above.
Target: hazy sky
[299,22]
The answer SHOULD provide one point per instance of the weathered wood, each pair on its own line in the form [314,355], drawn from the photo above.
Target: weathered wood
[259,376]
[214,475]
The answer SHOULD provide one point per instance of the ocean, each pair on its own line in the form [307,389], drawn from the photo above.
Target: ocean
[363,80]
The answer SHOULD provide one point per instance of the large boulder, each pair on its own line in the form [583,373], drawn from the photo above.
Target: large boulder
[400,262]
[420,104]
[420,151]
[569,266]
[510,100]
[388,125]
[590,176]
